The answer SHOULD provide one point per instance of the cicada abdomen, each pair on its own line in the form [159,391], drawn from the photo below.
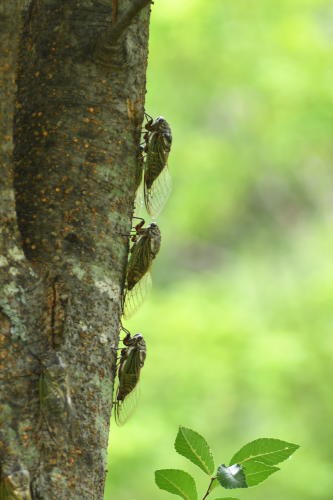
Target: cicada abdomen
[15,484]
[131,361]
[157,181]
[146,245]
[54,394]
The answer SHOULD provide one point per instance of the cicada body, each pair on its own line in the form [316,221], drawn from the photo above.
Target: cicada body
[145,248]
[157,181]
[146,245]
[132,359]
[54,401]
[54,395]
[15,485]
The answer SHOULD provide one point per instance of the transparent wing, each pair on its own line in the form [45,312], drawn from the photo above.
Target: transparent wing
[139,198]
[157,195]
[123,410]
[135,297]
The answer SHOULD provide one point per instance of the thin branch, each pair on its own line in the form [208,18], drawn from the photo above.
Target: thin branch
[209,487]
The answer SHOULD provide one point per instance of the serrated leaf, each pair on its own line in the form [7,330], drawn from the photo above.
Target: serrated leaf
[257,472]
[195,448]
[265,450]
[177,482]
[231,477]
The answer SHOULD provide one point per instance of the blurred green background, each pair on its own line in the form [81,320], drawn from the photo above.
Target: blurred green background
[239,323]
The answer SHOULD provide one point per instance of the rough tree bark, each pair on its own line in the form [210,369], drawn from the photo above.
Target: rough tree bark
[72,87]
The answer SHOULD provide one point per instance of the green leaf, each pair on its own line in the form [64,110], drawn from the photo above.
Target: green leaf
[257,472]
[231,477]
[226,498]
[265,450]
[194,447]
[177,482]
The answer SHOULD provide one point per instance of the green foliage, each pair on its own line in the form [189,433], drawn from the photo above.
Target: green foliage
[194,447]
[177,482]
[266,451]
[255,464]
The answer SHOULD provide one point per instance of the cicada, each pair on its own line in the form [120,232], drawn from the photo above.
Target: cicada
[146,245]
[157,181]
[131,361]
[52,389]
[54,395]
[15,484]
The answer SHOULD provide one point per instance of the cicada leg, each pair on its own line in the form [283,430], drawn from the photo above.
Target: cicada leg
[140,225]
[148,117]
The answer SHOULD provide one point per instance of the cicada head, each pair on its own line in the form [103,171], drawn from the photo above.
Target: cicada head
[137,337]
[161,126]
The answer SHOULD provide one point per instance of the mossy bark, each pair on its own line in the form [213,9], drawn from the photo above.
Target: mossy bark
[69,160]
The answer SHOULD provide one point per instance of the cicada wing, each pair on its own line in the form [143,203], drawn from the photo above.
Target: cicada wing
[139,199]
[136,296]
[124,409]
[157,195]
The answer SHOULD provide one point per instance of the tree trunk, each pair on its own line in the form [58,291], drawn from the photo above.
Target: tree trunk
[69,162]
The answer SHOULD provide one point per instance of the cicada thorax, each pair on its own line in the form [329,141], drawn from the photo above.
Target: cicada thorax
[131,361]
[157,182]
[146,245]
[14,483]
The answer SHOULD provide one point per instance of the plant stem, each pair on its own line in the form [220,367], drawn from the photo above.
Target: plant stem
[209,486]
